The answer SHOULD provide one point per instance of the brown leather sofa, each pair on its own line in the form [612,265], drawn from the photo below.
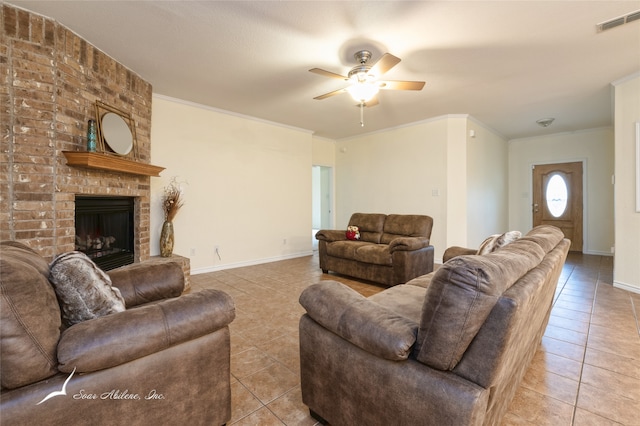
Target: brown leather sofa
[449,348]
[163,361]
[392,248]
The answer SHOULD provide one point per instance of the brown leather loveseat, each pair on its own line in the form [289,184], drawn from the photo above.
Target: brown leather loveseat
[392,249]
[165,360]
[449,348]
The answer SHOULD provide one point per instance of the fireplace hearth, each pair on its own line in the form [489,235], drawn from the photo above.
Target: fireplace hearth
[105,230]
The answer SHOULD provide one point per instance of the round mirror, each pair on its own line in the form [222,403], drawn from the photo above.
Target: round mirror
[116,133]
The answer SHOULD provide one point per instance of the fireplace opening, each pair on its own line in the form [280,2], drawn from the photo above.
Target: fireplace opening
[105,230]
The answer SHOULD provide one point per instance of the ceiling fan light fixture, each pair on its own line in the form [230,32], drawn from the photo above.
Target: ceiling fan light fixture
[363,92]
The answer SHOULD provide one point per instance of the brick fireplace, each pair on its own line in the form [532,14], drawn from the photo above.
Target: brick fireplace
[51,79]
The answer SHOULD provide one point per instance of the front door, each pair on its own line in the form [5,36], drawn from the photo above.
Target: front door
[557,199]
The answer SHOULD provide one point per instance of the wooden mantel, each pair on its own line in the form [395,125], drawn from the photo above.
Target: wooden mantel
[95,160]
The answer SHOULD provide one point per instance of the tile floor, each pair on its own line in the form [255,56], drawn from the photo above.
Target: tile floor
[586,372]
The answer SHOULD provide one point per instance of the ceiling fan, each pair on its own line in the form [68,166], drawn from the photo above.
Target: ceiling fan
[364,81]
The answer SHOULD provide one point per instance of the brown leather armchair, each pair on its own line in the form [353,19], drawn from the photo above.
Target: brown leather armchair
[165,360]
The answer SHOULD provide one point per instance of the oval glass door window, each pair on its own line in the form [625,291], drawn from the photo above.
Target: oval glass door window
[556,195]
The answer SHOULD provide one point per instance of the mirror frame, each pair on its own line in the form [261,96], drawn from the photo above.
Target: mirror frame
[103,145]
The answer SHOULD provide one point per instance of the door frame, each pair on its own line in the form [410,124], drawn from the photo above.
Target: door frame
[331,190]
[585,194]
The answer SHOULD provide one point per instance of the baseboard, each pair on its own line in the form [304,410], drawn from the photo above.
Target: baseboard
[597,253]
[628,287]
[206,269]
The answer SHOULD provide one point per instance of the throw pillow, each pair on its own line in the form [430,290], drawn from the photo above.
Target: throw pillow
[84,290]
[496,241]
[353,233]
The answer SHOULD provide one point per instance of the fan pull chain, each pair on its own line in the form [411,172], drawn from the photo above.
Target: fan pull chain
[361,114]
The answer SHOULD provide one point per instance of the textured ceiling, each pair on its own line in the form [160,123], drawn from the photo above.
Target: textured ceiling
[506,63]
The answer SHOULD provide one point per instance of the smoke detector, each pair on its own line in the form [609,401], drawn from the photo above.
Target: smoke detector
[545,122]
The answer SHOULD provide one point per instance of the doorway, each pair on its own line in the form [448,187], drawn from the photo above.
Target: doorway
[322,200]
[558,199]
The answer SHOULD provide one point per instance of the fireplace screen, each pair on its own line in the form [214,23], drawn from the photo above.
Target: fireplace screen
[104,230]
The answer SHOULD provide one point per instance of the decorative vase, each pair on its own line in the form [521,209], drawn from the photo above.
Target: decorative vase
[166,239]
[91,136]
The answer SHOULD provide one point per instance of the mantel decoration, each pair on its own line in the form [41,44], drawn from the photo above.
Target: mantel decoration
[116,132]
[171,204]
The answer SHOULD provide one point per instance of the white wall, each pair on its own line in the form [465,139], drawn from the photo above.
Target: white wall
[248,191]
[323,152]
[395,172]
[595,148]
[487,184]
[456,185]
[626,272]
[316,198]
[425,168]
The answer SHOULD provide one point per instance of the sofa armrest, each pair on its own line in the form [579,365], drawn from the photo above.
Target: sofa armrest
[118,338]
[364,323]
[454,251]
[143,283]
[330,235]
[408,243]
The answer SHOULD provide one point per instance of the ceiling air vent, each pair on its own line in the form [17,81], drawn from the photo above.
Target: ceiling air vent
[616,22]
[633,16]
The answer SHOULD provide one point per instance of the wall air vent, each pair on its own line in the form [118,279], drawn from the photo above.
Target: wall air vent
[616,22]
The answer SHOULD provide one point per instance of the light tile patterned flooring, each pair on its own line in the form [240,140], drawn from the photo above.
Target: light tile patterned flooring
[586,372]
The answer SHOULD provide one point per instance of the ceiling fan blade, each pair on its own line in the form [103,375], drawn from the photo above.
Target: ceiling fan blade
[326,95]
[326,73]
[384,64]
[401,85]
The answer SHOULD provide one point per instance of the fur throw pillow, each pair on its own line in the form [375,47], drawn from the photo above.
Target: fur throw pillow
[84,290]
[496,241]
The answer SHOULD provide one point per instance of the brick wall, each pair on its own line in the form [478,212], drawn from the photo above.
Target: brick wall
[51,79]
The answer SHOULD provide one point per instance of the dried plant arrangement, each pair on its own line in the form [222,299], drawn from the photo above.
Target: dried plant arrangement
[172,199]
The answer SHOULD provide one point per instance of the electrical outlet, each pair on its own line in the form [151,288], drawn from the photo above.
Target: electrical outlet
[284,241]
[192,252]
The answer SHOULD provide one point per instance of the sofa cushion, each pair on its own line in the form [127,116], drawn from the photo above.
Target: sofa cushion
[546,236]
[83,289]
[406,225]
[29,318]
[377,254]
[370,225]
[422,281]
[460,296]
[345,249]
[405,300]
